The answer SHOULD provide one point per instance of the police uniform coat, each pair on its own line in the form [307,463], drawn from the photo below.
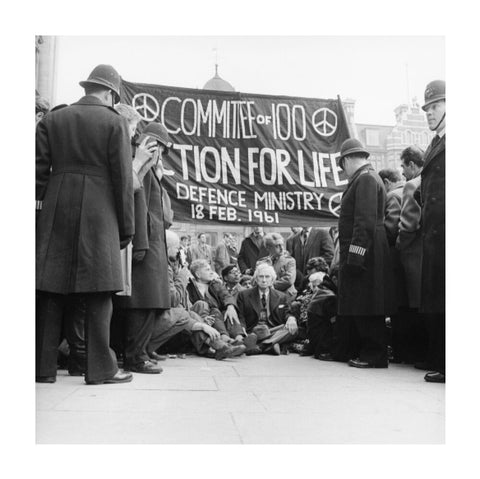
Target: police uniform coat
[84,187]
[432,199]
[409,241]
[364,269]
[149,276]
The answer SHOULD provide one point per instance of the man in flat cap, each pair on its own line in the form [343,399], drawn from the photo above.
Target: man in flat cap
[432,201]
[364,269]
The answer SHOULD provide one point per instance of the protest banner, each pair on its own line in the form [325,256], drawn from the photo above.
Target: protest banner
[247,159]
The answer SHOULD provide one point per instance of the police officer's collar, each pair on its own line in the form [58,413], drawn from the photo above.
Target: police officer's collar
[363,169]
[92,100]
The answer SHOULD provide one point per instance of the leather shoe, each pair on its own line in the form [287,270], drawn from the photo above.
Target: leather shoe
[228,351]
[324,357]
[357,363]
[434,377]
[273,349]
[253,351]
[157,357]
[45,379]
[120,377]
[76,373]
[147,367]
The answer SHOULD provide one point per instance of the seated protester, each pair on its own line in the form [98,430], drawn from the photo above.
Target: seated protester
[313,265]
[231,280]
[321,316]
[211,300]
[177,319]
[265,312]
[283,264]
[246,281]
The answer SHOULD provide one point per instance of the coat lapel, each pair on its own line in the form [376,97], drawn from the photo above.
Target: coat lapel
[431,153]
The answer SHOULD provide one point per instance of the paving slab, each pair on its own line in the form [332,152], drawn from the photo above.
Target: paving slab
[254,400]
[341,428]
[133,427]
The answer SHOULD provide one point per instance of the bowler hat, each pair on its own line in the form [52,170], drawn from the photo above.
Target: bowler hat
[352,146]
[262,331]
[435,91]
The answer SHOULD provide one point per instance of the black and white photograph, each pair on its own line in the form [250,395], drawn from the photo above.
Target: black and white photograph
[241,238]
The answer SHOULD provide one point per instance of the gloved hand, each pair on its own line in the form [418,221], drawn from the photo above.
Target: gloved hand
[124,240]
[139,255]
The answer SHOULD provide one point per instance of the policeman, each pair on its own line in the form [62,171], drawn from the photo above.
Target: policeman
[364,276]
[432,201]
[85,200]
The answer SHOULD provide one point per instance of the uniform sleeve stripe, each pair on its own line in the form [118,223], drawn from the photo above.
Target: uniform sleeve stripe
[357,249]
[38,205]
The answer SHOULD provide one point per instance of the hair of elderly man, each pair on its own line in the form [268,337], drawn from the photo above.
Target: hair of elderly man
[198,264]
[263,266]
[412,154]
[270,238]
[128,112]
[390,174]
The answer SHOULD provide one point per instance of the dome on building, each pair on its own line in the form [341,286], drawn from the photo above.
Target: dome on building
[217,83]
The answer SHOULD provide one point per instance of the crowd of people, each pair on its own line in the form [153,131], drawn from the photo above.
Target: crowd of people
[115,286]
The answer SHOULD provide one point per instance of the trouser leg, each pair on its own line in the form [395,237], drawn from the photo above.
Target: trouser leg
[117,331]
[436,341]
[101,362]
[203,309]
[345,341]
[165,326]
[372,333]
[280,336]
[49,316]
[320,334]
[75,333]
[139,328]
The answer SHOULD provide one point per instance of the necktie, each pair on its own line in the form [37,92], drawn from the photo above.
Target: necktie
[264,301]
[304,237]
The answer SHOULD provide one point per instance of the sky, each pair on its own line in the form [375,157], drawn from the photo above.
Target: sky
[378,72]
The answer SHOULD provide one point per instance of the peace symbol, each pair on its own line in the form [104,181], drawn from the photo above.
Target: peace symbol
[324,121]
[335,208]
[146,105]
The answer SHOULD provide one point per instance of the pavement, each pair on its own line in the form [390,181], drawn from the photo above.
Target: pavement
[248,400]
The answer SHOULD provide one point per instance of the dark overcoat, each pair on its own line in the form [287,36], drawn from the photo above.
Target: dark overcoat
[365,277]
[249,308]
[319,243]
[84,183]
[250,253]
[432,199]
[150,276]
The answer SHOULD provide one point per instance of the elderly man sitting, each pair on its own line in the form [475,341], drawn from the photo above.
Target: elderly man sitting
[265,312]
